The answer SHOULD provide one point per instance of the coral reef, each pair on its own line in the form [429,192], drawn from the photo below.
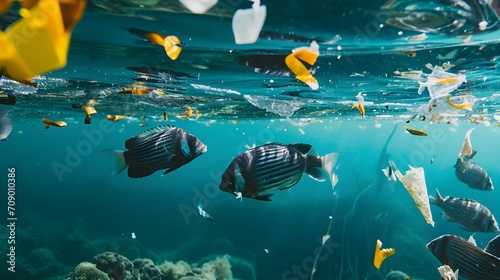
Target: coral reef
[113,266]
[88,271]
[116,266]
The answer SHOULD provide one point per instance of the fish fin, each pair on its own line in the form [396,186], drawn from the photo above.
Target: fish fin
[265,197]
[169,170]
[436,200]
[118,158]
[493,247]
[137,171]
[446,217]
[305,149]
[130,143]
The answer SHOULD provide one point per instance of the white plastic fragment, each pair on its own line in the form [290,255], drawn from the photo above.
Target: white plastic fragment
[247,23]
[198,6]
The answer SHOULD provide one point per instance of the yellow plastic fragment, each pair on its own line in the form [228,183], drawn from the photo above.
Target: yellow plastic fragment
[170,43]
[381,254]
[189,113]
[464,106]
[294,63]
[38,43]
[115,118]
[49,123]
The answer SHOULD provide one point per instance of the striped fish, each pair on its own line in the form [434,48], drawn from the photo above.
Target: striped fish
[259,172]
[162,147]
[471,262]
[472,174]
[472,215]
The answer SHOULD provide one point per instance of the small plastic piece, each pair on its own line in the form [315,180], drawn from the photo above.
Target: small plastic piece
[247,23]
[308,55]
[198,6]
[381,254]
[38,43]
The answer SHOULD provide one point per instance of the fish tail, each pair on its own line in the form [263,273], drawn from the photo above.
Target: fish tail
[118,158]
[437,200]
[327,163]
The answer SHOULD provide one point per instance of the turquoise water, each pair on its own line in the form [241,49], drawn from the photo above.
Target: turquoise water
[70,209]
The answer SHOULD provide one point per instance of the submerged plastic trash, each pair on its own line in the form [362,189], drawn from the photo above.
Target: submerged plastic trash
[5,124]
[467,145]
[381,254]
[189,113]
[308,55]
[170,43]
[414,182]
[49,123]
[247,23]
[89,110]
[49,24]
[463,106]
[198,6]
[115,118]
[447,273]
[440,83]
[360,104]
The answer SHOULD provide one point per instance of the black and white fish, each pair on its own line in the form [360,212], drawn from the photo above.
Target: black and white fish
[472,262]
[5,124]
[203,213]
[259,172]
[472,174]
[162,147]
[472,215]
[467,171]
[389,172]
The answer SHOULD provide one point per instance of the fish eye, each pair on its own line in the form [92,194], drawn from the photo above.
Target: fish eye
[193,143]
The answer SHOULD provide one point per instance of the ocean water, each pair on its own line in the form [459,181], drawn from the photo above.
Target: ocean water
[68,207]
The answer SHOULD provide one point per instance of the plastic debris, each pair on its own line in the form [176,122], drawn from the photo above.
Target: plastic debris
[50,23]
[189,113]
[381,254]
[308,55]
[89,110]
[115,118]
[203,213]
[360,104]
[198,6]
[447,273]
[49,123]
[414,182]
[136,91]
[247,23]
[143,121]
[467,145]
[463,106]
[440,83]
[133,235]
